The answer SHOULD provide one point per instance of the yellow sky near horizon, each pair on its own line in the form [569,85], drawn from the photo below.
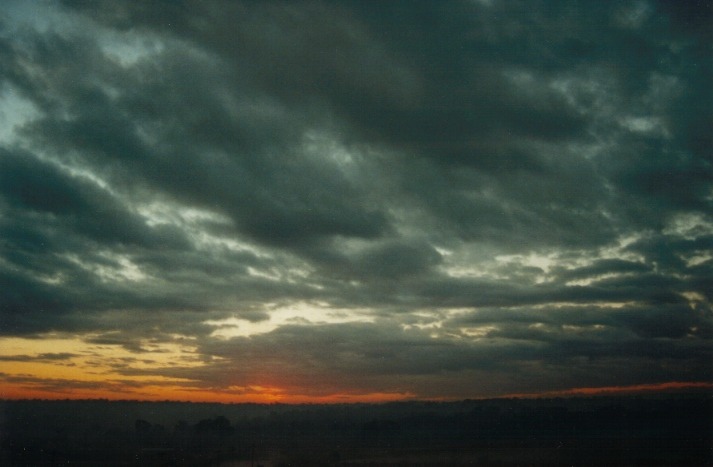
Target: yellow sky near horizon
[70,367]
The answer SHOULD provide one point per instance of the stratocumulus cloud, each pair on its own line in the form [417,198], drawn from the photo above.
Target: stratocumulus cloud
[307,199]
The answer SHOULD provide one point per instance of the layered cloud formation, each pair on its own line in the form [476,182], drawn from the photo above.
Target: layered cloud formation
[349,199]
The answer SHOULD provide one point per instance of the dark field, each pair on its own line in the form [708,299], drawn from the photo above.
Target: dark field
[633,430]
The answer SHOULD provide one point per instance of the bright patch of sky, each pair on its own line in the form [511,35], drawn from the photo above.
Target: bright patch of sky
[110,267]
[76,358]
[298,313]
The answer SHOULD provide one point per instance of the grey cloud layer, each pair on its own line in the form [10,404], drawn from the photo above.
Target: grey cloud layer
[216,159]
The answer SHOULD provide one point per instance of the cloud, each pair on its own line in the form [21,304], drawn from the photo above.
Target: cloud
[37,358]
[320,360]
[463,183]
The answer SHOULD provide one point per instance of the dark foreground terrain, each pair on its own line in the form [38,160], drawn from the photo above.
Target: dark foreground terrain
[634,430]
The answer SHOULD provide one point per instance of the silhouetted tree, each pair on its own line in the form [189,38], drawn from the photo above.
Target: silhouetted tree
[217,425]
[142,426]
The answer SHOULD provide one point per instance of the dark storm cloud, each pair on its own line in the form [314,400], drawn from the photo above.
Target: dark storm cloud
[46,357]
[603,267]
[381,261]
[670,253]
[39,188]
[480,122]
[643,320]
[321,360]
[542,168]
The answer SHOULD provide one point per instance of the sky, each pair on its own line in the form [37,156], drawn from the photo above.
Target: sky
[307,201]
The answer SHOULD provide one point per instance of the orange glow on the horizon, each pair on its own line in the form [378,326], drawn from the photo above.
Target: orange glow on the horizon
[186,393]
[614,390]
[74,368]
[14,391]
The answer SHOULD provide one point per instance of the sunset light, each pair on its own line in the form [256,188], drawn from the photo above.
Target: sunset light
[345,202]
[347,232]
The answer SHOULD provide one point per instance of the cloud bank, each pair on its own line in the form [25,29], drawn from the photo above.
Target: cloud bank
[434,199]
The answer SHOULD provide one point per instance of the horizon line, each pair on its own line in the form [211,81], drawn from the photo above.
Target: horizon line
[671,387]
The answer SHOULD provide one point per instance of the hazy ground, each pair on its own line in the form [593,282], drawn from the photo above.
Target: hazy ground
[635,430]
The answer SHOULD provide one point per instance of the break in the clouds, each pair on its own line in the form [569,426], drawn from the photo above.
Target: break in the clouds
[354,199]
